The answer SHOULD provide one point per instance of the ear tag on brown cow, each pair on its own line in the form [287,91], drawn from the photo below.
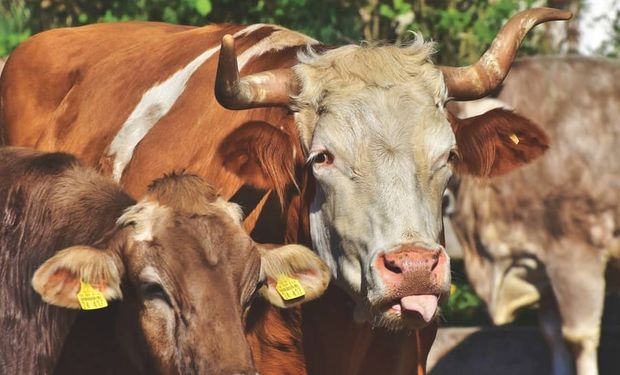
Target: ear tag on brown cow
[289,288]
[514,138]
[90,298]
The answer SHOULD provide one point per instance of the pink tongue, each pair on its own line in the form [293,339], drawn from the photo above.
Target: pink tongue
[425,305]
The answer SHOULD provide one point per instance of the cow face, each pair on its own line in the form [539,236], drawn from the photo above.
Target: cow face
[380,155]
[382,148]
[188,273]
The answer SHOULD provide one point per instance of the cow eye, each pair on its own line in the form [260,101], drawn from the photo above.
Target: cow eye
[453,156]
[323,157]
[154,291]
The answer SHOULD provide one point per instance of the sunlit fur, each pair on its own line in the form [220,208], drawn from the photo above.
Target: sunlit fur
[98,267]
[296,261]
[379,110]
[330,77]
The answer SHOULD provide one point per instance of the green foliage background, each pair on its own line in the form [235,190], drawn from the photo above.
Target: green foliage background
[463,28]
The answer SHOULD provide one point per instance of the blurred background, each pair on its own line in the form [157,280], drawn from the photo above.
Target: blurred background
[463,30]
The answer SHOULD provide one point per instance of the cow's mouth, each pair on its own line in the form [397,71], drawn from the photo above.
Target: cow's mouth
[414,311]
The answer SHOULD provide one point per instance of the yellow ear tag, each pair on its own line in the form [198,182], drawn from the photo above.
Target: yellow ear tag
[289,288]
[514,138]
[90,298]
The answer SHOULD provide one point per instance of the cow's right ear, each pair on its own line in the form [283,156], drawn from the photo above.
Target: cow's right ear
[59,279]
[292,274]
[496,142]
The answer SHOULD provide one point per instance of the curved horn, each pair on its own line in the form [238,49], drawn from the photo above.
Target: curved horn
[265,89]
[476,81]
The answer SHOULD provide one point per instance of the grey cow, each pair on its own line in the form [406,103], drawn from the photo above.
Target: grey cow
[549,234]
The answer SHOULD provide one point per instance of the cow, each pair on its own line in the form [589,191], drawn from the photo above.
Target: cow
[347,149]
[548,233]
[179,259]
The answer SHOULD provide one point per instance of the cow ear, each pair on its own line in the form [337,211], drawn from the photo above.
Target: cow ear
[260,154]
[496,142]
[292,275]
[61,277]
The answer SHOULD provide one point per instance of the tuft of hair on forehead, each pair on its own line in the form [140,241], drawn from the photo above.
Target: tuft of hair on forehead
[336,77]
[369,64]
[191,194]
[185,192]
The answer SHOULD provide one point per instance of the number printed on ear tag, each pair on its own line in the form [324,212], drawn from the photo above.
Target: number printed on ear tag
[514,138]
[289,288]
[90,298]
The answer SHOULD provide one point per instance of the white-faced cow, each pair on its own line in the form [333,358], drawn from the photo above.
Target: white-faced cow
[179,259]
[548,234]
[346,148]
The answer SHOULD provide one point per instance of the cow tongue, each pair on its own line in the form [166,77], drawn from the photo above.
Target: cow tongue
[425,305]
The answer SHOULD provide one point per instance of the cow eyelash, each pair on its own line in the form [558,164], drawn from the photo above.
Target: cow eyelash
[152,291]
[453,156]
[321,157]
[254,295]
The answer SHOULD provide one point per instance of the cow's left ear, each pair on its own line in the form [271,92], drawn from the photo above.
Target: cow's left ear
[260,154]
[292,275]
[70,271]
[496,142]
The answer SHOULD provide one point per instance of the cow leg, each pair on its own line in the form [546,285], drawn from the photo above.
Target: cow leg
[577,278]
[551,327]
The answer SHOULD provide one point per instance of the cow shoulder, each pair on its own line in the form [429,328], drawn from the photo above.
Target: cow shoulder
[496,142]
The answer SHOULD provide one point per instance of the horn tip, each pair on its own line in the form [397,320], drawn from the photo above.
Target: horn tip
[228,41]
[564,14]
[556,14]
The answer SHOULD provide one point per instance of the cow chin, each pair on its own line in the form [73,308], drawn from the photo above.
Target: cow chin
[391,315]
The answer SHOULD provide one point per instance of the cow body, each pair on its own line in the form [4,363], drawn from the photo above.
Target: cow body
[357,169]
[548,234]
[185,269]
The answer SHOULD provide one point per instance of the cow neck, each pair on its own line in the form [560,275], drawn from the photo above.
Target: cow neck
[335,344]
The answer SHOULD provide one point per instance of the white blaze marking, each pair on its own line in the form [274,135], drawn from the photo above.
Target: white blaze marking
[144,216]
[159,99]
[155,103]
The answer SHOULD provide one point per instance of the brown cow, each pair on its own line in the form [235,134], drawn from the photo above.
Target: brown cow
[185,269]
[347,148]
[548,234]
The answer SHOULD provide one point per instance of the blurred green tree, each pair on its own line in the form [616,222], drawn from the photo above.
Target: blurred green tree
[463,28]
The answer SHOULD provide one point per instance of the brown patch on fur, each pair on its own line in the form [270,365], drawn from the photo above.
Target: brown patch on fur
[485,145]
[260,154]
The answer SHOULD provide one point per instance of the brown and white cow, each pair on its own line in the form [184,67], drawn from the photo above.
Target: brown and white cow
[347,148]
[185,269]
[548,234]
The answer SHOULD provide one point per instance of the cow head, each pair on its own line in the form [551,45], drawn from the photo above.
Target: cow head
[188,273]
[382,147]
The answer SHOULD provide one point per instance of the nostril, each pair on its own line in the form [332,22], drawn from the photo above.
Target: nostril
[435,259]
[391,265]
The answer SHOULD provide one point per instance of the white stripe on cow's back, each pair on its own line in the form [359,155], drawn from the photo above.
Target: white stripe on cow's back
[157,101]
[154,104]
